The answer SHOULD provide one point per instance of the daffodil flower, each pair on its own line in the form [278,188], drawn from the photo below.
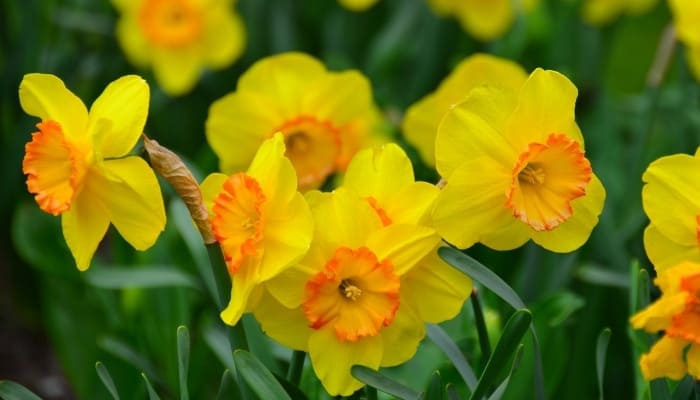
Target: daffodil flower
[516,169]
[179,38]
[423,117]
[669,200]
[601,12]
[261,222]
[677,314]
[325,117]
[78,164]
[686,14]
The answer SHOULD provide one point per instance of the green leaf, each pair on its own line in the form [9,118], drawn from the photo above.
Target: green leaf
[659,389]
[434,391]
[115,277]
[451,391]
[152,395]
[601,349]
[684,389]
[507,346]
[215,337]
[258,377]
[501,389]
[452,351]
[557,308]
[10,390]
[128,354]
[599,276]
[106,379]
[381,382]
[183,360]
[227,387]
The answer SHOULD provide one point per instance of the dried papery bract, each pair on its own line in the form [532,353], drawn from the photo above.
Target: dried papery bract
[172,169]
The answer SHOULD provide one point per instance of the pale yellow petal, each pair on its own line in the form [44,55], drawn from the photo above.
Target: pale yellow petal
[45,96]
[124,104]
[413,204]
[420,125]
[486,20]
[686,14]
[379,172]
[658,315]
[402,336]
[243,283]
[177,71]
[693,56]
[357,5]
[289,286]
[601,12]
[210,188]
[664,252]
[224,36]
[132,40]
[287,326]
[340,97]
[274,172]
[402,245]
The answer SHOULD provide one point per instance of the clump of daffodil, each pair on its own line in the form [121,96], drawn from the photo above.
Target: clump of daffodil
[261,222]
[601,12]
[686,14]
[179,38]
[77,164]
[423,117]
[485,20]
[516,169]
[677,314]
[350,300]
[671,200]
[357,5]
[325,117]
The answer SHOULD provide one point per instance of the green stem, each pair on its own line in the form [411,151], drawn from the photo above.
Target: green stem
[218,265]
[371,393]
[481,330]
[296,366]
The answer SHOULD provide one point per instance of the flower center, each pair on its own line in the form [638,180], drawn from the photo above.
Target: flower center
[54,167]
[239,221]
[313,147]
[170,23]
[545,179]
[686,324]
[355,294]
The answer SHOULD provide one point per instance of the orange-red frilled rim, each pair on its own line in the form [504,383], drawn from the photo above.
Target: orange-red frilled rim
[355,294]
[545,179]
[170,23]
[313,147]
[686,324]
[239,219]
[54,167]
[386,221]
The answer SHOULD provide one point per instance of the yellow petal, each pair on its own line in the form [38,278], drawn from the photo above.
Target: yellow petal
[422,196]
[124,103]
[130,192]
[402,336]
[332,360]
[403,245]
[665,359]
[473,204]
[669,280]
[693,56]
[243,283]
[210,188]
[340,97]
[45,96]
[379,172]
[420,125]
[658,315]
[289,286]
[601,12]
[574,232]
[686,14]
[274,172]
[671,197]
[545,105]
[664,252]
[177,70]
[693,361]
[357,5]
[243,118]
[224,36]
[132,40]
[474,128]
[84,225]
[287,326]
[486,20]
[435,289]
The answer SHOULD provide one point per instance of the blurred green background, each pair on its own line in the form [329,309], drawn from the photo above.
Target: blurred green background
[55,323]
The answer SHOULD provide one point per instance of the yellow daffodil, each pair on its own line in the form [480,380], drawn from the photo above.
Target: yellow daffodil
[484,19]
[423,117]
[350,300]
[515,168]
[325,116]
[260,220]
[671,200]
[601,12]
[77,164]
[686,19]
[677,313]
[179,38]
[357,5]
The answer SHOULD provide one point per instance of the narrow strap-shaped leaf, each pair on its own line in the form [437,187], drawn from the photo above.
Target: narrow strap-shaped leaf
[480,322]
[493,282]
[601,349]
[152,395]
[142,277]
[106,379]
[128,354]
[435,391]
[258,377]
[501,389]
[451,391]
[381,382]
[215,337]
[183,360]
[659,389]
[685,389]
[10,390]
[227,386]
[507,345]
[448,346]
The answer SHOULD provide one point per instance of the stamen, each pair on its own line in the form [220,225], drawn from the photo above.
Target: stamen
[349,291]
[532,174]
